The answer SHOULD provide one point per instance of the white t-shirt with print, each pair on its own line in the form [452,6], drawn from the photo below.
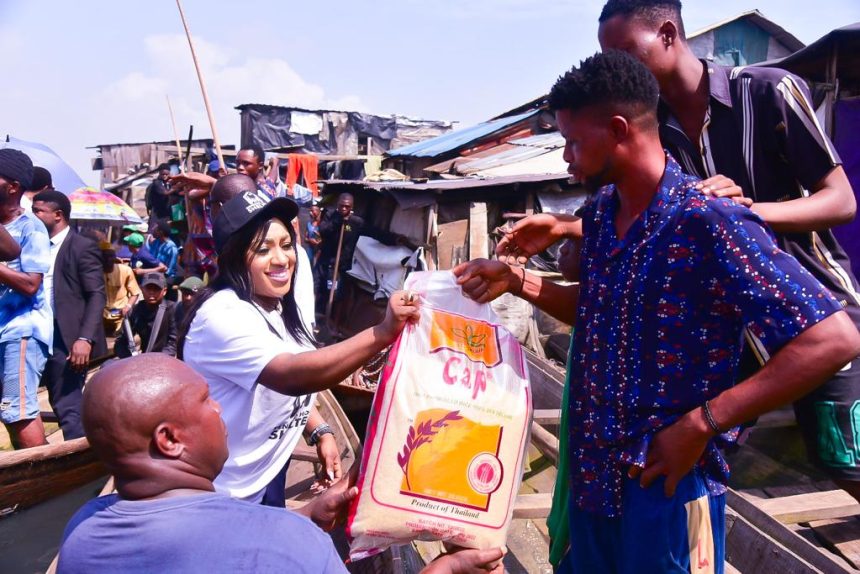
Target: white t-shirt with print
[229,343]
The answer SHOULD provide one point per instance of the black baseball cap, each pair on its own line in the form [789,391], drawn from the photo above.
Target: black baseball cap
[245,208]
[153,278]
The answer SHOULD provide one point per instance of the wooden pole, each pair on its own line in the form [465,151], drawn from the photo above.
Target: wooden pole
[188,148]
[334,276]
[202,87]
[175,135]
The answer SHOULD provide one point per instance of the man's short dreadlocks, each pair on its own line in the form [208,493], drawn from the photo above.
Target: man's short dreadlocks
[612,78]
[654,12]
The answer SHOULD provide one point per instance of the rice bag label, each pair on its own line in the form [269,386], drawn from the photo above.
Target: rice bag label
[448,429]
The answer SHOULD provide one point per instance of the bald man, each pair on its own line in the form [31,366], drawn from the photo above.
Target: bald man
[151,421]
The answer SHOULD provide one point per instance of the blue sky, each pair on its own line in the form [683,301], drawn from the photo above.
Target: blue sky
[97,71]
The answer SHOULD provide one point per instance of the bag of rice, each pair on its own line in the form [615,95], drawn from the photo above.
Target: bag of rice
[448,429]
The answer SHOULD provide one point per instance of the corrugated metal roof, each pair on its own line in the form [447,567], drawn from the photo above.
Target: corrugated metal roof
[444,185]
[458,138]
[511,152]
[548,162]
[549,140]
[514,155]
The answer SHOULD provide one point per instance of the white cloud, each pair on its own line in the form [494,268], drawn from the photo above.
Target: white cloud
[133,107]
[480,10]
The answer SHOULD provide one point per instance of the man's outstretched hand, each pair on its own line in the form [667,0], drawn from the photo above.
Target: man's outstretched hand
[484,280]
[532,235]
[330,508]
[468,561]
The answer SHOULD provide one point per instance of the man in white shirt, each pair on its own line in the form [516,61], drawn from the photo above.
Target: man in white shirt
[75,289]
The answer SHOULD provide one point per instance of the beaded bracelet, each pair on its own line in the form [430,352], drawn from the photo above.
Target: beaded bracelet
[317,433]
[706,408]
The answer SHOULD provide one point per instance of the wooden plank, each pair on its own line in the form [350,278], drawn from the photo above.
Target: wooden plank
[777,531]
[547,416]
[748,549]
[450,235]
[545,442]
[547,382]
[783,417]
[478,237]
[533,505]
[752,468]
[842,535]
[811,506]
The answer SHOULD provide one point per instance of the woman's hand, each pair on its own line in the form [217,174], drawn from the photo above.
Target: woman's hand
[402,307]
[329,457]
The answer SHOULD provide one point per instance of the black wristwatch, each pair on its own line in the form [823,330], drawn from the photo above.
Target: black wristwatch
[317,433]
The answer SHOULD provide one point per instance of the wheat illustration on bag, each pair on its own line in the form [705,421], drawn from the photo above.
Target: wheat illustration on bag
[424,434]
[475,341]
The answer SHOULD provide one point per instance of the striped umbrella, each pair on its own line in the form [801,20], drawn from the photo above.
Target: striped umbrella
[90,204]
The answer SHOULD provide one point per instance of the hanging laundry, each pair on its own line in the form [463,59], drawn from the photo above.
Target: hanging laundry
[373,165]
[303,168]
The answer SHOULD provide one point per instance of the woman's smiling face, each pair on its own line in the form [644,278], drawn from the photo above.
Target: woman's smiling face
[271,264]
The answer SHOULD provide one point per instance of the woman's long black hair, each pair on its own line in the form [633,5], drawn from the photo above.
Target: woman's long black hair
[233,274]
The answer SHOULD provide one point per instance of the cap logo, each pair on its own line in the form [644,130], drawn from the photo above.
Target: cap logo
[253,202]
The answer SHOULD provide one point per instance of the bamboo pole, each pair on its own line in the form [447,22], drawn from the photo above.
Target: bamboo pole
[334,280]
[202,87]
[175,135]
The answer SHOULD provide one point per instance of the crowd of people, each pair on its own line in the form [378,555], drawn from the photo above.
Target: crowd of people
[709,290]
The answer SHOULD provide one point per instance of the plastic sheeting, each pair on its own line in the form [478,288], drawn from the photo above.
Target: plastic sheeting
[330,132]
[383,268]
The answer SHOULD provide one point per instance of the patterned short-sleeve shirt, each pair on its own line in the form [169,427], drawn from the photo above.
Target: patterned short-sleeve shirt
[659,328]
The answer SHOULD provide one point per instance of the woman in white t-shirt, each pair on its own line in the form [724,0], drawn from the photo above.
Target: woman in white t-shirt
[245,335]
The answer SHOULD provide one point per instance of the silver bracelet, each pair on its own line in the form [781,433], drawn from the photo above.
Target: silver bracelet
[317,433]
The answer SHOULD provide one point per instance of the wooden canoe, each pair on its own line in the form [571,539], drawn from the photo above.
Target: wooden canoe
[31,476]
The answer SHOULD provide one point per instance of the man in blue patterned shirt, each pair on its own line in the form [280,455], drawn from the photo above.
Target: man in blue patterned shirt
[755,127]
[669,279]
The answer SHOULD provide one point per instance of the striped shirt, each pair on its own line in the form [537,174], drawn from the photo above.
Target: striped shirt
[761,130]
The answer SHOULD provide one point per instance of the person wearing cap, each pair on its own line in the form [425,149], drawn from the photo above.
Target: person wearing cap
[187,289]
[26,331]
[142,261]
[75,290]
[121,289]
[152,320]
[244,333]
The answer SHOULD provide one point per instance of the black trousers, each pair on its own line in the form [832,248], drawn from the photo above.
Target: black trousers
[65,388]
[275,493]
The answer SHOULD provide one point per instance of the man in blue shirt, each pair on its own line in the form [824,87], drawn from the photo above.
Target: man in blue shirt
[670,278]
[150,419]
[142,261]
[26,321]
[163,248]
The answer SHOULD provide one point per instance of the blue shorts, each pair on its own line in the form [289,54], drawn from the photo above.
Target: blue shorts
[654,534]
[22,362]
